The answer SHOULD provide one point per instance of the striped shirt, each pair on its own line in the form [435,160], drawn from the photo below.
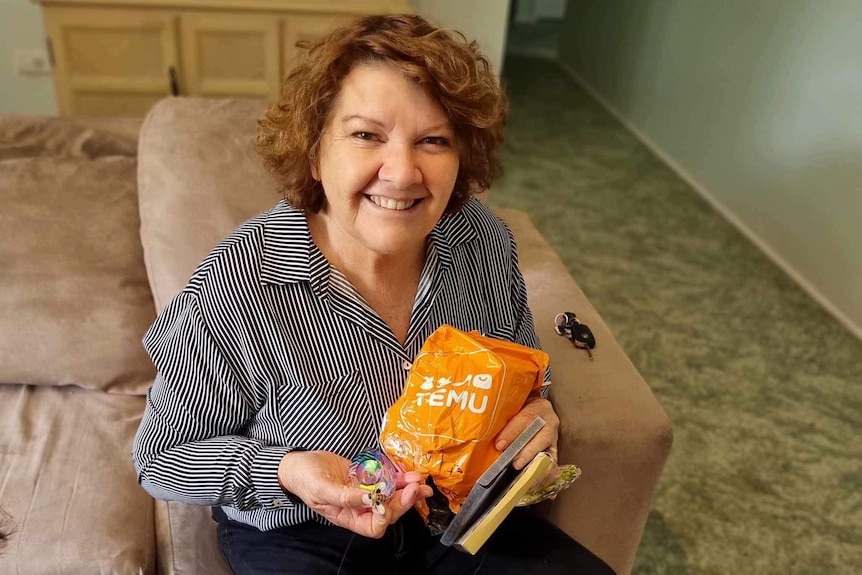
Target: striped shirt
[269,349]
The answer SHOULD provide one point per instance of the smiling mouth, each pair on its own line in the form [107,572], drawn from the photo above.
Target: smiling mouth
[395,205]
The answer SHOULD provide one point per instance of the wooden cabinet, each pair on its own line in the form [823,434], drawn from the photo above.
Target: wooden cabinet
[111,62]
[119,57]
[230,55]
[306,28]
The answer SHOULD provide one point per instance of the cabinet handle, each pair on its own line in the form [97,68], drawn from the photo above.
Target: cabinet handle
[50,46]
[175,82]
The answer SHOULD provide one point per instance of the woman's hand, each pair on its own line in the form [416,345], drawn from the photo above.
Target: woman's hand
[319,479]
[545,440]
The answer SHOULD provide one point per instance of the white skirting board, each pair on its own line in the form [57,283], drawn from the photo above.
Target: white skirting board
[725,212]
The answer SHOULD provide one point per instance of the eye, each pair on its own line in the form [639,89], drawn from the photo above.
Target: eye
[435,141]
[367,136]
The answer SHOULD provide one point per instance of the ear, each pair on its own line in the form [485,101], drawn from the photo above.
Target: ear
[314,155]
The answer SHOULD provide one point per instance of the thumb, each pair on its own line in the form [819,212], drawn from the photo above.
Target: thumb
[346,496]
[380,522]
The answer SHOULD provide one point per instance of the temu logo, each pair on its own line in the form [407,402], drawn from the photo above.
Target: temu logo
[446,393]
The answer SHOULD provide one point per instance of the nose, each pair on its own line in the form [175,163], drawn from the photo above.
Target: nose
[399,166]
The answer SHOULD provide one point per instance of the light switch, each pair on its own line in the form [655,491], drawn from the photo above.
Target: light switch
[32,62]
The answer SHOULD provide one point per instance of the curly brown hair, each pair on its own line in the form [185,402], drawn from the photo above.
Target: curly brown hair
[451,70]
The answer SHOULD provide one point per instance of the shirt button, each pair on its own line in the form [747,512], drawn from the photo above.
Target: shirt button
[406,364]
[277,502]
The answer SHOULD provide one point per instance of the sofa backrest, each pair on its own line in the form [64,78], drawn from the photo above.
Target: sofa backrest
[74,297]
[198,178]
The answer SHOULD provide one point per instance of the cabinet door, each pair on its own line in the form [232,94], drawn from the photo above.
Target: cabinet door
[307,28]
[111,62]
[230,55]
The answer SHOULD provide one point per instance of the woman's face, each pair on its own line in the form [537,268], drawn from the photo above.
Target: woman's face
[388,163]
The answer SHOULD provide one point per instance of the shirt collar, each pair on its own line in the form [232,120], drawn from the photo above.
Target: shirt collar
[452,231]
[290,255]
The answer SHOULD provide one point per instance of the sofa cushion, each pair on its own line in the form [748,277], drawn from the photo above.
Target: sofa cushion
[29,136]
[74,297]
[187,543]
[198,178]
[66,480]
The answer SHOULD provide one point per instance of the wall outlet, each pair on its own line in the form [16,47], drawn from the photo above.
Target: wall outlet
[32,62]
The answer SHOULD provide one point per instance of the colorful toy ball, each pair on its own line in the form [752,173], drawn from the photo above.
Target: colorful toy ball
[374,472]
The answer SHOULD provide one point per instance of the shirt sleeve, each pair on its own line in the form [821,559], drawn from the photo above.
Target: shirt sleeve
[525,329]
[189,447]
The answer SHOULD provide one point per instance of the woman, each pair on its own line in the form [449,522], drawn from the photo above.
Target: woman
[278,361]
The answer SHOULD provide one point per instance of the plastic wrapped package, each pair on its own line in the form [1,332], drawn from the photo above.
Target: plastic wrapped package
[462,389]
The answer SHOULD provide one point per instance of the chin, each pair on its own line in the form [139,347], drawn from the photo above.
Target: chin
[392,245]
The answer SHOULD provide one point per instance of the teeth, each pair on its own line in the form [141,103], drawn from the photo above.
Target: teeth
[391,204]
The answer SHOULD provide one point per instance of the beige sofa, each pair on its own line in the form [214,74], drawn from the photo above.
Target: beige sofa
[99,227]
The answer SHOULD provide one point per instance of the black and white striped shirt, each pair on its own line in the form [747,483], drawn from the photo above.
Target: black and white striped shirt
[269,348]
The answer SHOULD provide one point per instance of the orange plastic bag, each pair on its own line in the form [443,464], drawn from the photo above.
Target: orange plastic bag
[462,389]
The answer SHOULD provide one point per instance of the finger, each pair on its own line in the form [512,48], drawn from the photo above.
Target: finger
[534,407]
[542,408]
[527,454]
[363,521]
[404,499]
[543,441]
[371,524]
[422,491]
[400,502]
[379,522]
[515,427]
[549,476]
[345,496]
[403,479]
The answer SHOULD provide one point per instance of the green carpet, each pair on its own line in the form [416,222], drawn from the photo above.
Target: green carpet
[763,387]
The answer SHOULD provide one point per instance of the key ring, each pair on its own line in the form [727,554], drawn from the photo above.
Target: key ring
[564,322]
[567,325]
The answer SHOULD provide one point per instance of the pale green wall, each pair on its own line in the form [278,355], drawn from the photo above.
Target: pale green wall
[759,103]
[484,21]
[21,27]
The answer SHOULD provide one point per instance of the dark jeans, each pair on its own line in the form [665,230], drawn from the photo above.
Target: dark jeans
[524,543]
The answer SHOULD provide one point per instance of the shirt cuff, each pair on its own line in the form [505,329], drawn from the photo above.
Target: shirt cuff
[264,479]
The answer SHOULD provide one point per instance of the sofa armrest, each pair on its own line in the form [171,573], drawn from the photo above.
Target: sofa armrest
[612,426]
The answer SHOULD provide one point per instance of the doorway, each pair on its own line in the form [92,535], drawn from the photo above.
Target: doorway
[534,28]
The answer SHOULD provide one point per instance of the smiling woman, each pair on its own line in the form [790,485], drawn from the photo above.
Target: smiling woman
[403,159]
[279,360]
[449,70]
